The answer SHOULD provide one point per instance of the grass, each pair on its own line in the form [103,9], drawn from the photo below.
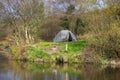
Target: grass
[74,46]
[36,51]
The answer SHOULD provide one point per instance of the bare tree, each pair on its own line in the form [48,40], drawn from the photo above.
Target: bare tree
[24,17]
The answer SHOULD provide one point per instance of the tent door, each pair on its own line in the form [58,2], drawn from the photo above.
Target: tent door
[70,37]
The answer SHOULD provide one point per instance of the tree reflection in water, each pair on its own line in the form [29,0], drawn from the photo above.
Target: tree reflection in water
[35,71]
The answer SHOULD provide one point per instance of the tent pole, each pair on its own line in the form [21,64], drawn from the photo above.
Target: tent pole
[67,43]
[67,46]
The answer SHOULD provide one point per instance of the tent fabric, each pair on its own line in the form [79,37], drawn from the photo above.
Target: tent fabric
[65,36]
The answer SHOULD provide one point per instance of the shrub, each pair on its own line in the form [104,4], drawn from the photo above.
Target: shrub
[107,42]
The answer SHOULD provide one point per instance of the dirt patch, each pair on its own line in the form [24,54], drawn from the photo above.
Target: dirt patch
[52,50]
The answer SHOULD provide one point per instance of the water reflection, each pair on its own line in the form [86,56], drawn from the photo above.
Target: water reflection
[30,71]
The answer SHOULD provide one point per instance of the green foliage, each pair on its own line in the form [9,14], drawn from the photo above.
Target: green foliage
[112,12]
[108,43]
[32,25]
[75,46]
[80,26]
[74,23]
[105,29]
[35,53]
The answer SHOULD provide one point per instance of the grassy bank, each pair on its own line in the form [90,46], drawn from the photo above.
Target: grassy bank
[50,51]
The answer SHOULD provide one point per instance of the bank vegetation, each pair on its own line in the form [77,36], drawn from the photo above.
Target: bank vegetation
[25,23]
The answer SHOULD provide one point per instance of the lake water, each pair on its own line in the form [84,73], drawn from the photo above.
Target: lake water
[35,71]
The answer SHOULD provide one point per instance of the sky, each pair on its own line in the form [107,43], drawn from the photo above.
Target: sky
[63,5]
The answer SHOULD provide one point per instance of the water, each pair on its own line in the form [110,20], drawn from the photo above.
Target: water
[11,70]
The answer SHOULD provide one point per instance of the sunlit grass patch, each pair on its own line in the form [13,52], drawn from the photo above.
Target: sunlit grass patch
[74,48]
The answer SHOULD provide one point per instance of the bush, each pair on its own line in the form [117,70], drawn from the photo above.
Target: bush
[107,42]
